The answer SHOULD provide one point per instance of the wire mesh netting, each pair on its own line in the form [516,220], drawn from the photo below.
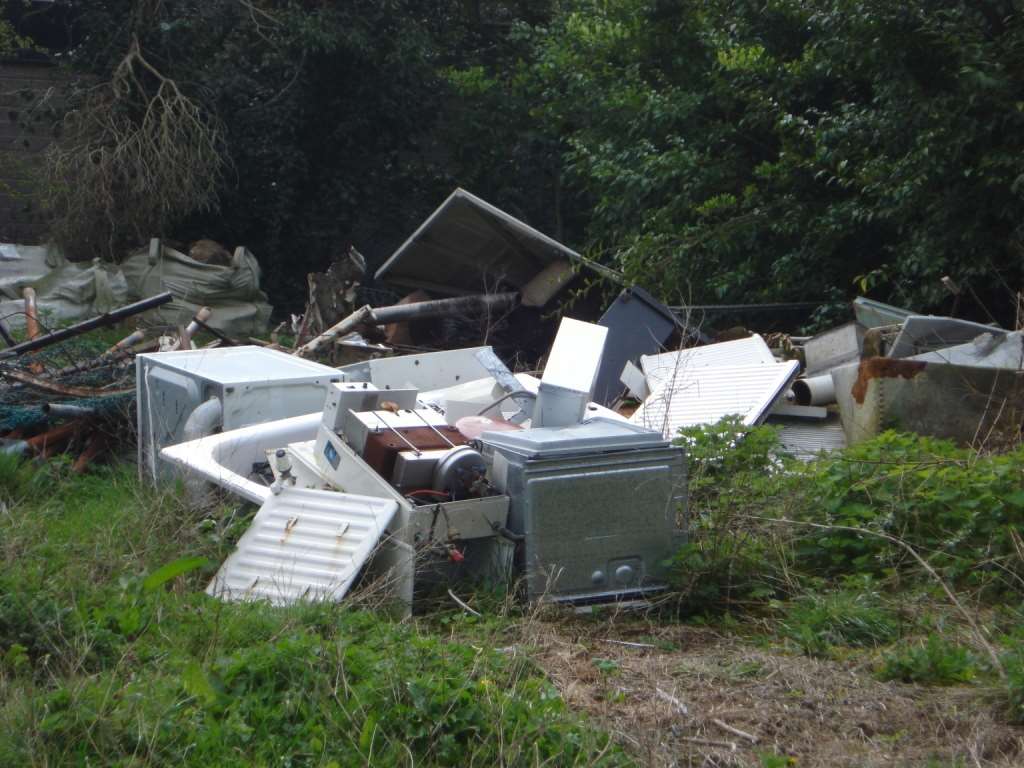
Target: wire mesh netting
[77,372]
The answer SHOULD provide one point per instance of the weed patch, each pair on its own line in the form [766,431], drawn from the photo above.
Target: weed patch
[857,618]
[935,662]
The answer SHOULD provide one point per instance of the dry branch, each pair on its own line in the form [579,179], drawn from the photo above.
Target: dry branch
[136,154]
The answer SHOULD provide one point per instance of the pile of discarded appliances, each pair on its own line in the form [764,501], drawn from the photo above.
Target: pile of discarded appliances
[887,369]
[405,470]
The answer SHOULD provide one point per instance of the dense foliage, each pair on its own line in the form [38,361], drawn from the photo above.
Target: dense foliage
[792,149]
[734,150]
[763,523]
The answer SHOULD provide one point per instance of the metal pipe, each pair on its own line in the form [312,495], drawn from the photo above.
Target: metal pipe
[201,316]
[435,429]
[67,411]
[817,390]
[131,339]
[214,332]
[78,329]
[32,324]
[422,310]
[400,436]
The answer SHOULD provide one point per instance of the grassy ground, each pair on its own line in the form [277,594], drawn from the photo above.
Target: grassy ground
[109,658]
[781,644]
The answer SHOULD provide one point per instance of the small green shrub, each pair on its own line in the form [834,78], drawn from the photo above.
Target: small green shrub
[958,509]
[935,662]
[728,561]
[719,453]
[723,566]
[817,623]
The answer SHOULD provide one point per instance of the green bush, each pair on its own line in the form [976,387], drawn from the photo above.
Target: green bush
[959,510]
[728,560]
[935,662]
[760,527]
[719,455]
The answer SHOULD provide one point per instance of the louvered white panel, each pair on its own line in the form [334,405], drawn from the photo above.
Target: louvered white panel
[303,544]
[669,365]
[704,395]
[806,439]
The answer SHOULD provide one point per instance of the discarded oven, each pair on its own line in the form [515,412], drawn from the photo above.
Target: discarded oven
[595,505]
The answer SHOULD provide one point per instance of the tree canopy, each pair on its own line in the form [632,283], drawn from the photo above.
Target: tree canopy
[721,151]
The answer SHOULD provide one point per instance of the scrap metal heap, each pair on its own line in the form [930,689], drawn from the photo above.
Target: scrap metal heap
[442,465]
[446,464]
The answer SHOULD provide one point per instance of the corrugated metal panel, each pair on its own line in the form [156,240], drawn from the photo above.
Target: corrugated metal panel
[303,544]
[659,368]
[704,395]
[806,439]
[467,245]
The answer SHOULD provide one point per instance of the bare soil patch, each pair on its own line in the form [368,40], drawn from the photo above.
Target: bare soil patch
[662,695]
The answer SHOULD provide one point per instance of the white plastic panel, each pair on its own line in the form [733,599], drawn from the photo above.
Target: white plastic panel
[430,370]
[636,383]
[749,351]
[569,376]
[575,357]
[704,395]
[303,544]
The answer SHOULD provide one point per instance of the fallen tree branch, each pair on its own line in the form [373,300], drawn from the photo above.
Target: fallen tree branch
[734,731]
[730,745]
[679,706]
[58,388]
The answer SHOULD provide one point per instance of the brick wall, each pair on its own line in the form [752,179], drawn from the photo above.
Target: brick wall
[24,135]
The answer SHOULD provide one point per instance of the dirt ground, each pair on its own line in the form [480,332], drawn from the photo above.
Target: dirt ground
[690,696]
